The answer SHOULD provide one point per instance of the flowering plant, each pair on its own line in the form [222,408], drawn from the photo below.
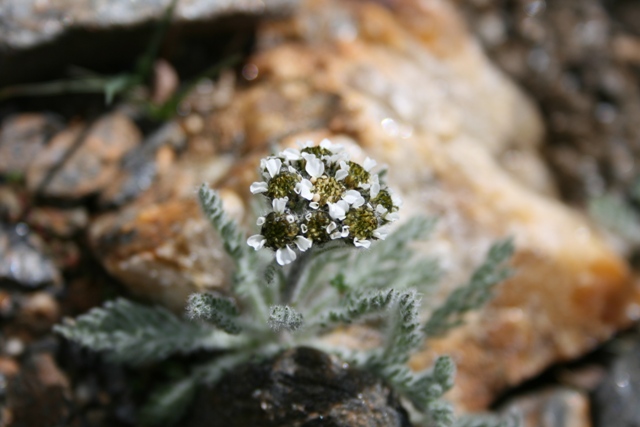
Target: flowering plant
[325,211]
[319,195]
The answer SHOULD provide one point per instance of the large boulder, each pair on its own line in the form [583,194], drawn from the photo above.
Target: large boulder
[299,387]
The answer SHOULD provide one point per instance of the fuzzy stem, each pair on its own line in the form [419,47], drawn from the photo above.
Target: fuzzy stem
[302,293]
[295,273]
[257,300]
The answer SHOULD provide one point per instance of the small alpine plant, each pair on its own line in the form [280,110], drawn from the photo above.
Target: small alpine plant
[324,257]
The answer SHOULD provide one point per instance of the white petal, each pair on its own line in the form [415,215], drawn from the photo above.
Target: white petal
[381,233]
[336,158]
[259,187]
[395,199]
[279,204]
[381,209]
[341,174]
[361,243]
[285,255]
[369,164]
[335,235]
[314,166]
[358,202]
[291,154]
[256,241]
[337,211]
[314,205]
[375,190]
[351,196]
[344,205]
[375,186]
[273,165]
[326,144]
[303,243]
[304,228]
[290,219]
[345,231]
[354,200]
[303,188]
[265,172]
[260,220]
[392,216]
[334,148]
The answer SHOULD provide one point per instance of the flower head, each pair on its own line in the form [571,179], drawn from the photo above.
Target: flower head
[318,195]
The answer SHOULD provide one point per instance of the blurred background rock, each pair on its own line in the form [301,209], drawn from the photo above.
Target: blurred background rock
[506,123]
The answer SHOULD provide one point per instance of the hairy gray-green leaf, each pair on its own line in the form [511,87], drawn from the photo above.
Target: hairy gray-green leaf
[233,239]
[404,335]
[475,293]
[284,317]
[440,414]
[392,262]
[388,263]
[219,311]
[134,333]
[246,278]
[358,305]
[421,388]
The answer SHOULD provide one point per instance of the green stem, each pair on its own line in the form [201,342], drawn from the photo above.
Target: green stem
[257,300]
[301,293]
[295,274]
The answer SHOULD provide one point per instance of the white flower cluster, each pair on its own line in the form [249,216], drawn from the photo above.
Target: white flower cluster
[319,195]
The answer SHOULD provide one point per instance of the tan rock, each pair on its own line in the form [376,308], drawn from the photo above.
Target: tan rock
[39,394]
[154,156]
[21,137]
[163,252]
[25,260]
[555,407]
[12,203]
[161,246]
[59,222]
[81,161]
[39,311]
[403,83]
[8,366]
[626,48]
